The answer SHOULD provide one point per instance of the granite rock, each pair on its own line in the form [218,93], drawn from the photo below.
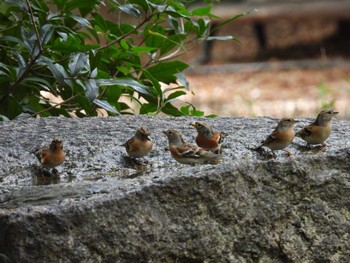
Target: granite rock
[104,207]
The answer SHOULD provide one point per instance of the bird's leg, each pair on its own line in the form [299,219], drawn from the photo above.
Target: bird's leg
[287,153]
[147,162]
[274,155]
[45,172]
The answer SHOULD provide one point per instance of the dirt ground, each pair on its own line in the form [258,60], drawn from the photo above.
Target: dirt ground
[275,91]
[295,92]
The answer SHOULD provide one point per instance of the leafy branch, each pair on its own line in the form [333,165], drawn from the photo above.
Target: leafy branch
[60,53]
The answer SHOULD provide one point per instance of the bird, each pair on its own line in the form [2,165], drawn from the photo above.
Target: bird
[52,156]
[318,131]
[207,138]
[140,144]
[281,137]
[186,153]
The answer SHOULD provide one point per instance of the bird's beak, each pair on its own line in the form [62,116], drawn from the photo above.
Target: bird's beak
[335,112]
[296,121]
[164,132]
[193,125]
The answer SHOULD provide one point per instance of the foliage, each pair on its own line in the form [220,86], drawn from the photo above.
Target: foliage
[63,57]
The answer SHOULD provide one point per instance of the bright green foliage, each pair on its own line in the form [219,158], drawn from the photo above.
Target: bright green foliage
[68,49]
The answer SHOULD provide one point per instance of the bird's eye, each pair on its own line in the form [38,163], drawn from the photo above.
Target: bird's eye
[199,124]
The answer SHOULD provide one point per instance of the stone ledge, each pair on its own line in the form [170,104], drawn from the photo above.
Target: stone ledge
[104,210]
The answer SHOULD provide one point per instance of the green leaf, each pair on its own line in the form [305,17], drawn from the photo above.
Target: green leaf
[21,61]
[20,4]
[78,62]
[105,105]
[203,27]
[27,39]
[6,68]
[144,4]
[93,73]
[91,89]
[130,9]
[13,39]
[4,118]
[219,38]
[189,109]
[154,35]
[148,108]
[166,71]
[159,7]
[202,11]
[39,81]
[174,95]
[185,109]
[124,45]
[171,110]
[124,82]
[113,93]
[82,21]
[148,76]
[46,33]
[143,49]
[57,70]
[171,42]
[182,79]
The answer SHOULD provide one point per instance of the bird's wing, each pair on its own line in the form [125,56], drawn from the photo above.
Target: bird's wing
[306,131]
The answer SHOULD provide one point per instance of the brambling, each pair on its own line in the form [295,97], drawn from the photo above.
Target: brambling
[187,153]
[319,130]
[281,137]
[52,156]
[207,138]
[140,144]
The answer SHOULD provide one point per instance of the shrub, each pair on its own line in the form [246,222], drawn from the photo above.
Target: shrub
[62,57]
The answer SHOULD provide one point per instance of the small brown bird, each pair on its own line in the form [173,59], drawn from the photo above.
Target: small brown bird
[53,156]
[207,138]
[281,137]
[318,131]
[187,153]
[140,144]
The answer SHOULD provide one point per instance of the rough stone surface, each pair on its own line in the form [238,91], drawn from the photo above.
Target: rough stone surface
[105,208]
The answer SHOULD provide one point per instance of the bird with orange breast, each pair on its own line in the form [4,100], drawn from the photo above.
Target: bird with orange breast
[140,144]
[187,153]
[51,157]
[207,138]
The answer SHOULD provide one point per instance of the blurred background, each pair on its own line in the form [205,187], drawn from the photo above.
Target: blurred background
[292,59]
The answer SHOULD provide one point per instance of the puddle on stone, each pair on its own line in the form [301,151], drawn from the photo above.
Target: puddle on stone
[46,180]
[39,178]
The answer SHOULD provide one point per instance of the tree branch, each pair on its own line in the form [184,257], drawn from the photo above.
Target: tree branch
[34,25]
[56,105]
[126,34]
